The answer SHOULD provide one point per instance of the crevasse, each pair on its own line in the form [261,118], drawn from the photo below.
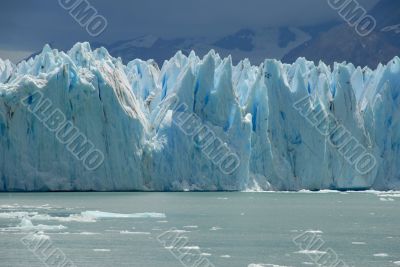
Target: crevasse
[252,109]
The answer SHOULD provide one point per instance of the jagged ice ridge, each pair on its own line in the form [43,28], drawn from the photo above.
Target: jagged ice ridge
[251,108]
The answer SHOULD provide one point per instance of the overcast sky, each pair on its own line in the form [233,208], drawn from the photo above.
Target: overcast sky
[26,25]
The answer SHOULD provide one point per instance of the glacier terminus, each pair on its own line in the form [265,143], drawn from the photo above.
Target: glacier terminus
[196,124]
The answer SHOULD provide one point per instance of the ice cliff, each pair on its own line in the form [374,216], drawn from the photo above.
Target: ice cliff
[285,126]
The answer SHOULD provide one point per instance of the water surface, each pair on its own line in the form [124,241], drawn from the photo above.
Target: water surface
[228,229]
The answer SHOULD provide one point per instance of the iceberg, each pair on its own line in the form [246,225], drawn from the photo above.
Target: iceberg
[83,121]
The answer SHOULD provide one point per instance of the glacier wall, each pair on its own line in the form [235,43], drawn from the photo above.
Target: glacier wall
[287,126]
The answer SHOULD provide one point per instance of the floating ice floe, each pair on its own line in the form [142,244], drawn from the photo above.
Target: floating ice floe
[101,214]
[358,243]
[27,225]
[225,256]
[125,232]
[386,199]
[16,214]
[205,254]
[88,233]
[191,226]
[314,231]
[191,247]
[381,255]
[310,252]
[101,250]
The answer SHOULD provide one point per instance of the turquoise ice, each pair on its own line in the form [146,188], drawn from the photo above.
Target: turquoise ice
[250,108]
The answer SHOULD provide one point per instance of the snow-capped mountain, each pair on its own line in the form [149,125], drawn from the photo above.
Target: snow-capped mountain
[196,124]
[254,44]
[340,42]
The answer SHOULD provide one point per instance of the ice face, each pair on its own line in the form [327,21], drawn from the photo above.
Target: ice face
[6,68]
[198,124]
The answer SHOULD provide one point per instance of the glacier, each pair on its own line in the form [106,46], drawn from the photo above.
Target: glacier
[262,113]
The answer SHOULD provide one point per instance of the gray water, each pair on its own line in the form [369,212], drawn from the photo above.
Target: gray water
[226,229]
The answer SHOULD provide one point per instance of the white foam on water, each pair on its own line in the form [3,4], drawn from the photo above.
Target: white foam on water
[162,221]
[225,256]
[101,250]
[396,263]
[215,228]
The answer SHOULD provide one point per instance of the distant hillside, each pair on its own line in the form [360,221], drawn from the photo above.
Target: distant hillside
[342,43]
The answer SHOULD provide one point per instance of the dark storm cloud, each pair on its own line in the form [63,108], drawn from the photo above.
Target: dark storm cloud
[28,24]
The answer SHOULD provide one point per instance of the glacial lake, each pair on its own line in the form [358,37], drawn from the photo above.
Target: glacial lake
[200,229]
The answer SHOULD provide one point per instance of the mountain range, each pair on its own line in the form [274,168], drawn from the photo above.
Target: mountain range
[330,42]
